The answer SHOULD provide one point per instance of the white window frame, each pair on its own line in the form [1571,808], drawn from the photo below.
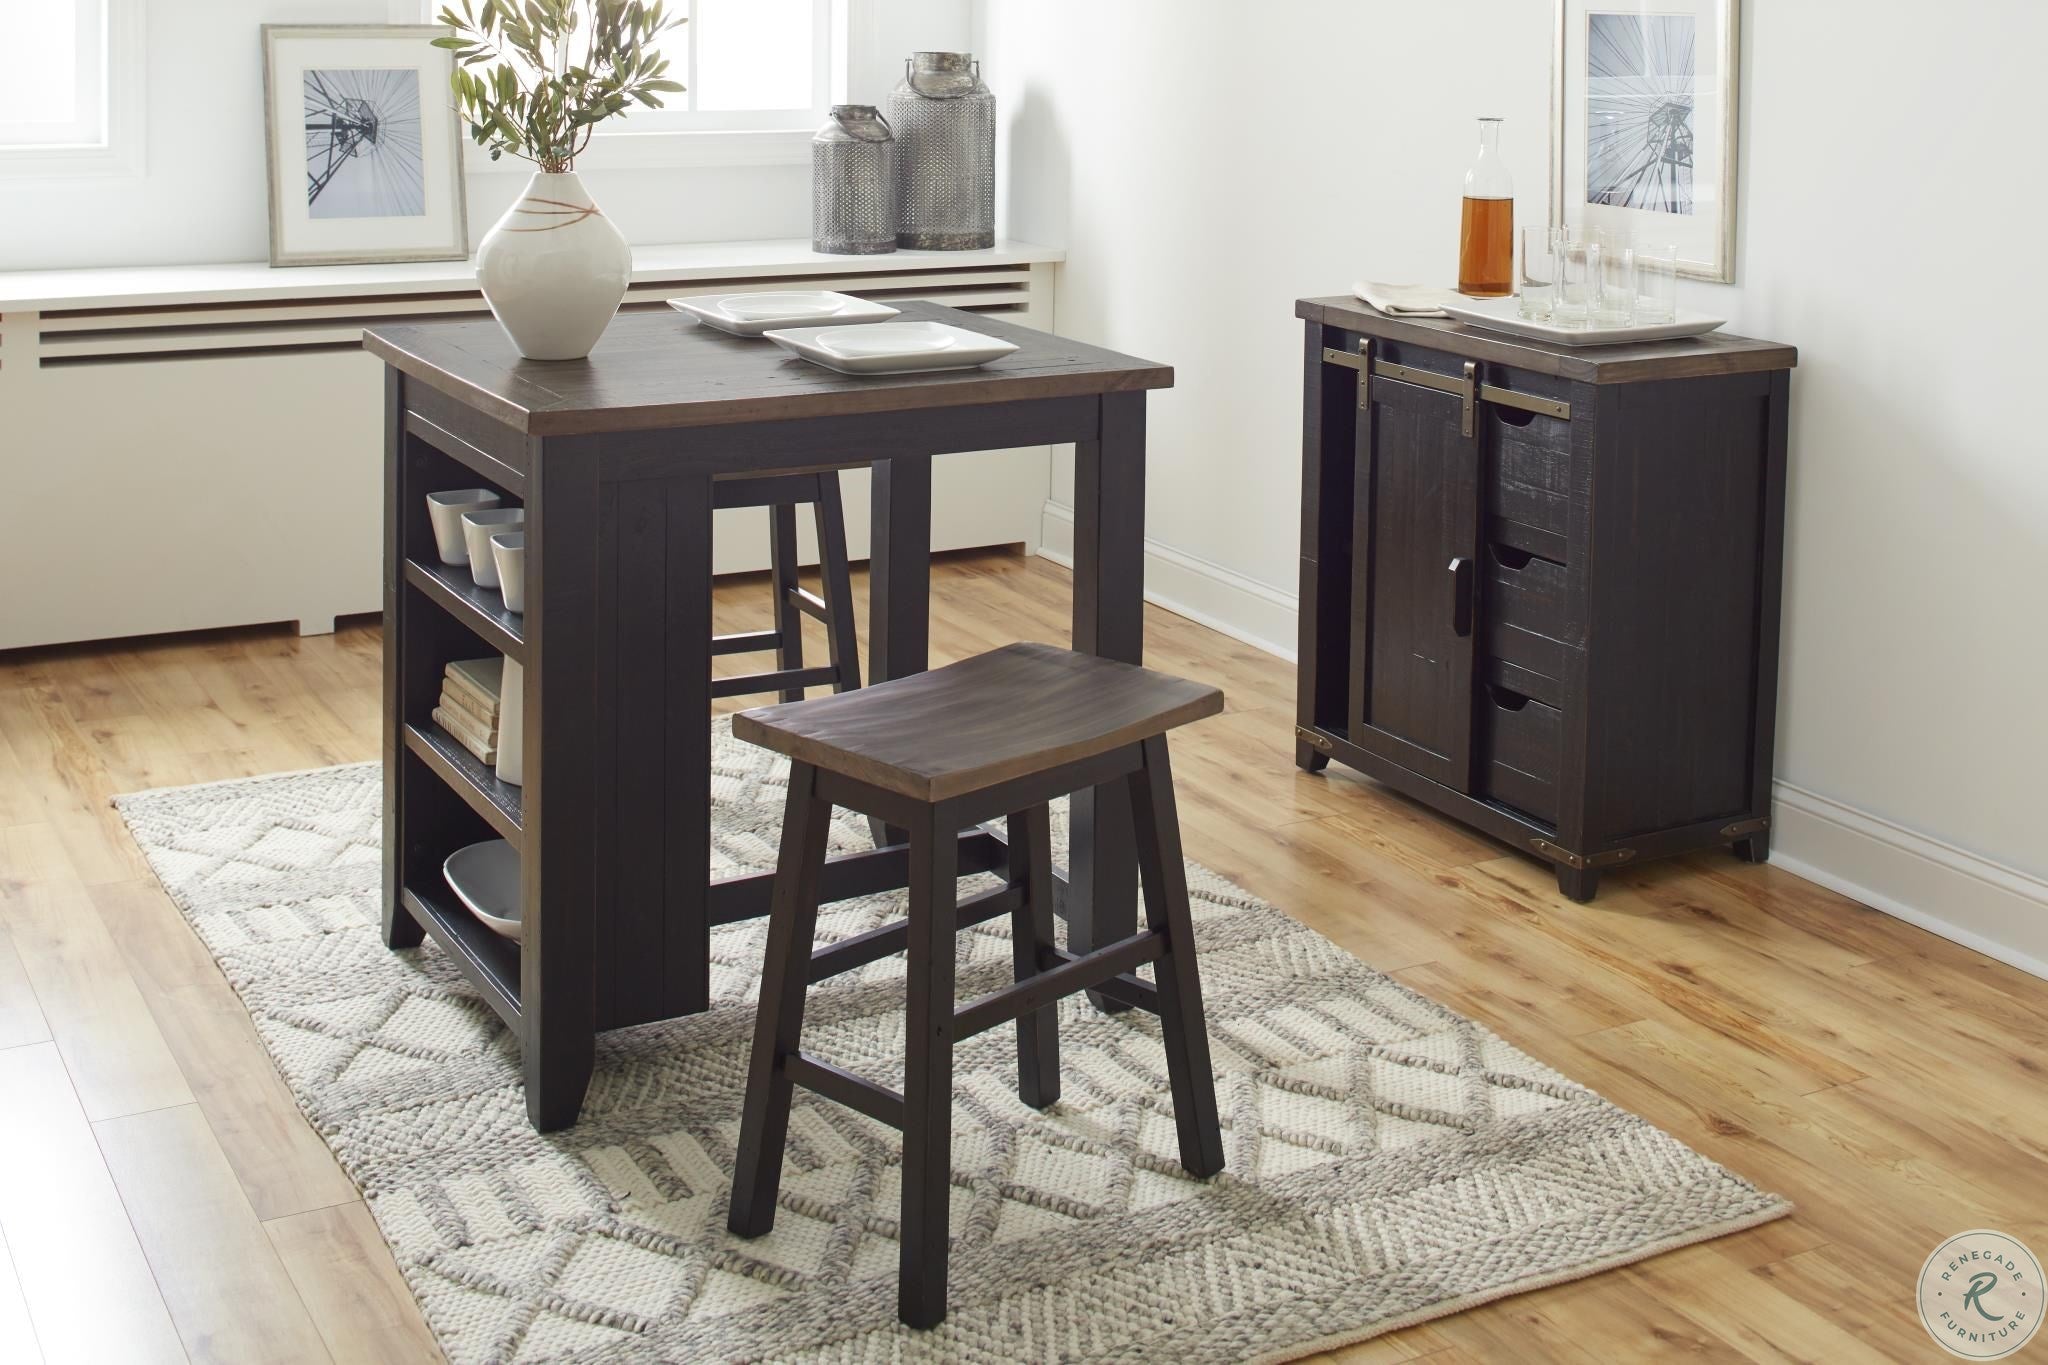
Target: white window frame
[122,65]
[710,137]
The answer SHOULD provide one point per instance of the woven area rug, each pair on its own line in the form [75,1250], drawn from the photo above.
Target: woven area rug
[1389,1160]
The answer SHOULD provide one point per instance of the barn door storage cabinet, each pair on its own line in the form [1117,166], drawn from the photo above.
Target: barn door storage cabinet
[1539,585]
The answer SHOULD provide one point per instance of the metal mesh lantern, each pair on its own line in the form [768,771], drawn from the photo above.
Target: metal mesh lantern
[945,121]
[853,183]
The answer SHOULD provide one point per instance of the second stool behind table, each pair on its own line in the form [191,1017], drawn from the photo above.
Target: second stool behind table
[782,494]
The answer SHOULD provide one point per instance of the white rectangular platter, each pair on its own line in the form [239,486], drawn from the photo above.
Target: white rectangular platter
[1500,315]
[892,347]
[749,315]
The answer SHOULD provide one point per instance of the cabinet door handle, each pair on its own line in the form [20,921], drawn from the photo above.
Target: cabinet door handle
[1461,596]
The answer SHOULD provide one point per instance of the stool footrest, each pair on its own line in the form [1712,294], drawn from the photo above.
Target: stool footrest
[1129,989]
[808,602]
[780,681]
[894,937]
[1078,973]
[750,642]
[843,1087]
[848,875]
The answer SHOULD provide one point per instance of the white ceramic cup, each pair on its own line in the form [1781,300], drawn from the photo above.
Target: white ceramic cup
[477,530]
[445,511]
[508,555]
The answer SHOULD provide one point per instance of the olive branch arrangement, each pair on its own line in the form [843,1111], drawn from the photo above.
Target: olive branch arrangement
[540,100]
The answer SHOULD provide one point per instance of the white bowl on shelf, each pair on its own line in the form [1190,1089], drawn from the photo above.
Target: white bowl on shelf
[485,878]
[508,555]
[445,511]
[477,530]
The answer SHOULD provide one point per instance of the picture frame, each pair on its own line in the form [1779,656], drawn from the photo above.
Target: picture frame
[1643,124]
[362,145]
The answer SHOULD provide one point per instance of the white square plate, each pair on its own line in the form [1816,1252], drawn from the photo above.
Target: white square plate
[749,315]
[892,347]
[1501,315]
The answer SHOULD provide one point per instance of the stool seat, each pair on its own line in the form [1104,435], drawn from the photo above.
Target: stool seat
[1014,712]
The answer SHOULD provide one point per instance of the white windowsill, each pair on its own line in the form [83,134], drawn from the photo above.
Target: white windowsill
[32,291]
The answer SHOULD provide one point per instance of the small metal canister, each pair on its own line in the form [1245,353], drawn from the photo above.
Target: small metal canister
[853,183]
[946,160]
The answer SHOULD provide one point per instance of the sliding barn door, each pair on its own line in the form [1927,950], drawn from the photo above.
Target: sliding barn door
[1415,537]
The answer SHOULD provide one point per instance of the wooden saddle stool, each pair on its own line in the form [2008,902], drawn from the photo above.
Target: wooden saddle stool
[782,494]
[937,753]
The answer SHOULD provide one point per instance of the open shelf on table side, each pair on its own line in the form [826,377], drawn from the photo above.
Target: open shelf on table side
[481,609]
[489,960]
[501,804]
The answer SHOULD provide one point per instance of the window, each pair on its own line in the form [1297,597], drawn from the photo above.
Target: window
[70,85]
[749,64]
[761,76]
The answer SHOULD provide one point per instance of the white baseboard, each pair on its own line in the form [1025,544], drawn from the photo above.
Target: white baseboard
[1997,910]
[1200,589]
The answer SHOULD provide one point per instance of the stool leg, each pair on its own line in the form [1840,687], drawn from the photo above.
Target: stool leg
[1157,825]
[782,577]
[1031,932]
[778,1027]
[928,1075]
[837,585]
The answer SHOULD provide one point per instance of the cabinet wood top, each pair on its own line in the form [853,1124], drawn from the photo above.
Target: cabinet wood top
[1692,358]
[661,369]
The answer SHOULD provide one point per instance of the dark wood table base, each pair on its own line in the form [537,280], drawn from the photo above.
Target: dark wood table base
[615,460]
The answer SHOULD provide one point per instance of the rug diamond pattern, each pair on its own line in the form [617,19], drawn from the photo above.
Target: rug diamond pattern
[1374,1137]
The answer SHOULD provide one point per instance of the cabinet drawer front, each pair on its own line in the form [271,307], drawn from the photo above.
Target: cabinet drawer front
[1521,749]
[1531,594]
[1529,476]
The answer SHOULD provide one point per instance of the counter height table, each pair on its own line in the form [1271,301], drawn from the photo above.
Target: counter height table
[616,459]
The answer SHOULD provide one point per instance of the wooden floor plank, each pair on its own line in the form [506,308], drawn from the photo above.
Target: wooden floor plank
[281,1162]
[17,1333]
[21,1015]
[110,1042]
[346,1278]
[227,1291]
[89,1290]
[1775,1026]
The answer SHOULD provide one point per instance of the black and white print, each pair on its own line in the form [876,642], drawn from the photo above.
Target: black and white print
[1641,88]
[363,150]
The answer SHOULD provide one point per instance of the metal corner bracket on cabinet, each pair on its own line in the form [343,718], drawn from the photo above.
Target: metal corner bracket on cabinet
[1314,739]
[1579,862]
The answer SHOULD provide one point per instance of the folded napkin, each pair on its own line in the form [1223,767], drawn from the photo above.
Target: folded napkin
[1403,300]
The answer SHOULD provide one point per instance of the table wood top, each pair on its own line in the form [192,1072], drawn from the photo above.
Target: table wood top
[660,369]
[1690,358]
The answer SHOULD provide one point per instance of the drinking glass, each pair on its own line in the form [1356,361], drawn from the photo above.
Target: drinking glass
[1536,285]
[1614,305]
[1578,263]
[1656,281]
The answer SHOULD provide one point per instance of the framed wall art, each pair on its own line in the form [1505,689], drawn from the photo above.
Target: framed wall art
[364,148]
[1642,125]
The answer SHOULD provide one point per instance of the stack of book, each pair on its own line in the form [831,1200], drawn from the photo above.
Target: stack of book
[470,689]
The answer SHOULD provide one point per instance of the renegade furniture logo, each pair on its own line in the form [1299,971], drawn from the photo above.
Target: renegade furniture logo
[1980,1295]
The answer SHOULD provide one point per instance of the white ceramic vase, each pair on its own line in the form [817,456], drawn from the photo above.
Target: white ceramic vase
[554,269]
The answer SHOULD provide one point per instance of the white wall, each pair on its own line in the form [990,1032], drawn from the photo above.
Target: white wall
[1205,164]
[202,197]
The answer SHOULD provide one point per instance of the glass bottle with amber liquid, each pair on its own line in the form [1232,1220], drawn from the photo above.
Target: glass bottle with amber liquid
[1486,241]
